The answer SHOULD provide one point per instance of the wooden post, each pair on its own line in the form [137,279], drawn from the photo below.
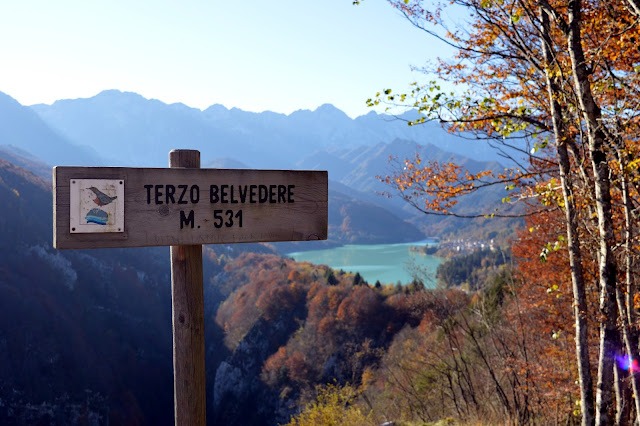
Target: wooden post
[187,303]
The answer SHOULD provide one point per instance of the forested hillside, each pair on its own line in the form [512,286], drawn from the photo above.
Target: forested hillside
[366,354]
[86,335]
[94,337]
[94,342]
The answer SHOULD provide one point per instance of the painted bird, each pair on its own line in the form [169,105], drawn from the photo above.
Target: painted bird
[101,199]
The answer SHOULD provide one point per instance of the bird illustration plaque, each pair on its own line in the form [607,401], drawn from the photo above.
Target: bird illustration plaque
[96,205]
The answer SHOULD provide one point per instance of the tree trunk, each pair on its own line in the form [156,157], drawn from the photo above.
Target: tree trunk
[606,267]
[625,299]
[575,252]
[623,390]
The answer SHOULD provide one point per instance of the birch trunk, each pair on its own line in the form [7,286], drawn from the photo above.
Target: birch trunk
[625,299]
[607,268]
[575,252]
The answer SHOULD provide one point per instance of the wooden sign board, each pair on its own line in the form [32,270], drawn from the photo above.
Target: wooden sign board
[100,207]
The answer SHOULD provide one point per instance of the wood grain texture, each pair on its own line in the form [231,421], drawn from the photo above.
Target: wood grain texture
[187,305]
[151,221]
[186,158]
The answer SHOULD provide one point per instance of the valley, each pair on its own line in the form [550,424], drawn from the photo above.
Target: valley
[113,306]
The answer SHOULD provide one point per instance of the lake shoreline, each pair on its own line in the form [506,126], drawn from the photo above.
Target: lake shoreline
[387,263]
[285,247]
[427,241]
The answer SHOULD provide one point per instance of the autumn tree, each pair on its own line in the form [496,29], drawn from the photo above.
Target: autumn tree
[333,406]
[561,76]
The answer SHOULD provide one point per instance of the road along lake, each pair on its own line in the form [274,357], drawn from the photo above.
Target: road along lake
[388,263]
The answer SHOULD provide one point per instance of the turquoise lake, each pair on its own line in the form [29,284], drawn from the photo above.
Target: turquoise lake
[388,263]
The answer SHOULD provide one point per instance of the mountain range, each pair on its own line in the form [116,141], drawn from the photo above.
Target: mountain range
[22,128]
[125,129]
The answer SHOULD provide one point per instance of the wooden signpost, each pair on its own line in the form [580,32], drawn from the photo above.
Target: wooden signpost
[185,207]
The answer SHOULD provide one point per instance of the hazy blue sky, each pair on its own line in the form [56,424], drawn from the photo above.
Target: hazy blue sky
[278,55]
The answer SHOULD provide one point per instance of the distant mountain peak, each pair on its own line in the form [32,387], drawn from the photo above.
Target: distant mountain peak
[327,108]
[371,113]
[118,93]
[324,110]
[225,163]
[109,95]
[331,110]
[216,108]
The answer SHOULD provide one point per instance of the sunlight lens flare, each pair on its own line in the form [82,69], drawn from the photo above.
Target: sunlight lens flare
[627,363]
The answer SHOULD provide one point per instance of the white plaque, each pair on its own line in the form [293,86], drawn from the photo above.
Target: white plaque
[96,205]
